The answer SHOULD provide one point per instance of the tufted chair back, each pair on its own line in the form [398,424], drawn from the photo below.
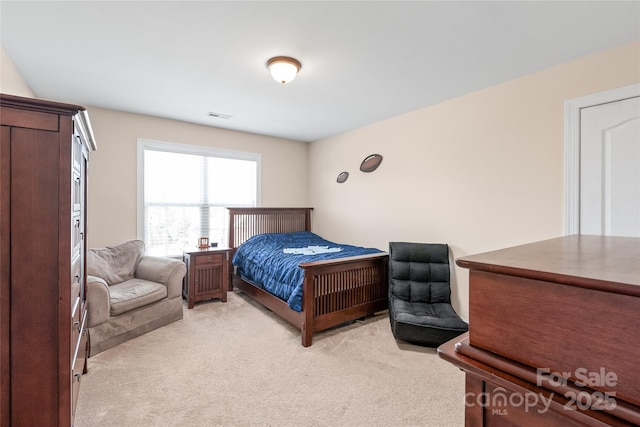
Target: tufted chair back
[419,272]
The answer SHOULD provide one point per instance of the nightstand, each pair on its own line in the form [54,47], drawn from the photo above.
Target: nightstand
[207,275]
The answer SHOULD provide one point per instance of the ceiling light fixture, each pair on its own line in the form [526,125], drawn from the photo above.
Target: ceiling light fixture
[283,69]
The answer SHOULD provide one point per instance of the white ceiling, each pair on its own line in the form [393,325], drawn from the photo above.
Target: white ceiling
[362,61]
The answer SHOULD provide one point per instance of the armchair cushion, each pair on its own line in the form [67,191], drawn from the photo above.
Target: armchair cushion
[167,271]
[115,264]
[134,293]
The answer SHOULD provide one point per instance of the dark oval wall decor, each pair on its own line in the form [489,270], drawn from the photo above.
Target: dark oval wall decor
[342,177]
[371,163]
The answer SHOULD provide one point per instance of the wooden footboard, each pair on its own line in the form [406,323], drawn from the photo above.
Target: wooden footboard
[334,291]
[342,290]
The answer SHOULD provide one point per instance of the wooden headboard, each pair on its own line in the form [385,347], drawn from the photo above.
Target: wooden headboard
[248,222]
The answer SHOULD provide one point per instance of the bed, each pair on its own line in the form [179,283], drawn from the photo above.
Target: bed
[334,291]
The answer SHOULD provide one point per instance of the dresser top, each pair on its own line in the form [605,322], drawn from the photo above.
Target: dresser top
[605,263]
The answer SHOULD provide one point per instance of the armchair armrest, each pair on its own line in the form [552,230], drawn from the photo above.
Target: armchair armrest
[98,305]
[167,271]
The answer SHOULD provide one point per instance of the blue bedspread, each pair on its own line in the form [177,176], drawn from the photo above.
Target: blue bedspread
[263,261]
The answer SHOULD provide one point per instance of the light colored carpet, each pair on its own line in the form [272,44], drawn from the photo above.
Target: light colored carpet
[237,364]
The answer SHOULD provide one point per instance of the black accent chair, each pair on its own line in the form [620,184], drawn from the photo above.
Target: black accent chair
[420,307]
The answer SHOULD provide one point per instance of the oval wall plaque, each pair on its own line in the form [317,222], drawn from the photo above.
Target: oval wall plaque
[371,163]
[342,177]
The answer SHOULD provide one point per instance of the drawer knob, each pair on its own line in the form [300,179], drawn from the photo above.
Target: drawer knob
[209,259]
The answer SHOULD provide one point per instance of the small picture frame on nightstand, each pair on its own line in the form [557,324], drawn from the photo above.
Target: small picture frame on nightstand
[204,242]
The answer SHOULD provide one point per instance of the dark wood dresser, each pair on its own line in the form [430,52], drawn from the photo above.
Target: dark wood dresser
[44,149]
[554,334]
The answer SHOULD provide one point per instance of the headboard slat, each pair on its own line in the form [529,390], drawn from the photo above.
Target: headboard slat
[248,222]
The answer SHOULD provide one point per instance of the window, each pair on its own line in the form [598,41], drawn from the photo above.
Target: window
[183,191]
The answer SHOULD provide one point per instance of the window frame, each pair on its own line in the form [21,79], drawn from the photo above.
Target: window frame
[178,148]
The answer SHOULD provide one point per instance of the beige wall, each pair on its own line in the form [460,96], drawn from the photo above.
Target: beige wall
[11,81]
[112,173]
[479,172]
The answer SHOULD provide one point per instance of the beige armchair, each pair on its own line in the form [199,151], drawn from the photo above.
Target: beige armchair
[130,294]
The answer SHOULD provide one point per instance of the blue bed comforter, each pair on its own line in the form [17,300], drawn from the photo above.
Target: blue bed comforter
[271,261]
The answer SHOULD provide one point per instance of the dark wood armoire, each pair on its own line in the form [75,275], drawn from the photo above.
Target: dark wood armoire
[44,148]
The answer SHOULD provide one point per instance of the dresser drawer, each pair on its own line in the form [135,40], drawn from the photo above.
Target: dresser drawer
[75,279]
[77,151]
[209,259]
[77,234]
[76,327]
[76,191]
[77,367]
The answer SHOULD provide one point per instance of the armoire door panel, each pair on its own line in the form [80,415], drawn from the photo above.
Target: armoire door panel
[34,269]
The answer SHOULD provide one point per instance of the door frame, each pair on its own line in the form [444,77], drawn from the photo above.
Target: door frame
[572,111]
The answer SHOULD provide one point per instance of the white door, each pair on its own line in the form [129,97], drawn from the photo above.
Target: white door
[610,168]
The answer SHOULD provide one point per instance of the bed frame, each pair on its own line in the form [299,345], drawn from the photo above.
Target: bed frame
[334,291]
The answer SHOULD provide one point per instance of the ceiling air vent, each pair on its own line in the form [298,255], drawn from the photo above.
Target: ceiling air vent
[219,115]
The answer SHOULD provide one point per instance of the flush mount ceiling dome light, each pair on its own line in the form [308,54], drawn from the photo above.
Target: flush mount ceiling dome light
[283,69]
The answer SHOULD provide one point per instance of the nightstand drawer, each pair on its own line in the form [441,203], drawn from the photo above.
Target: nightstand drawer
[209,259]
